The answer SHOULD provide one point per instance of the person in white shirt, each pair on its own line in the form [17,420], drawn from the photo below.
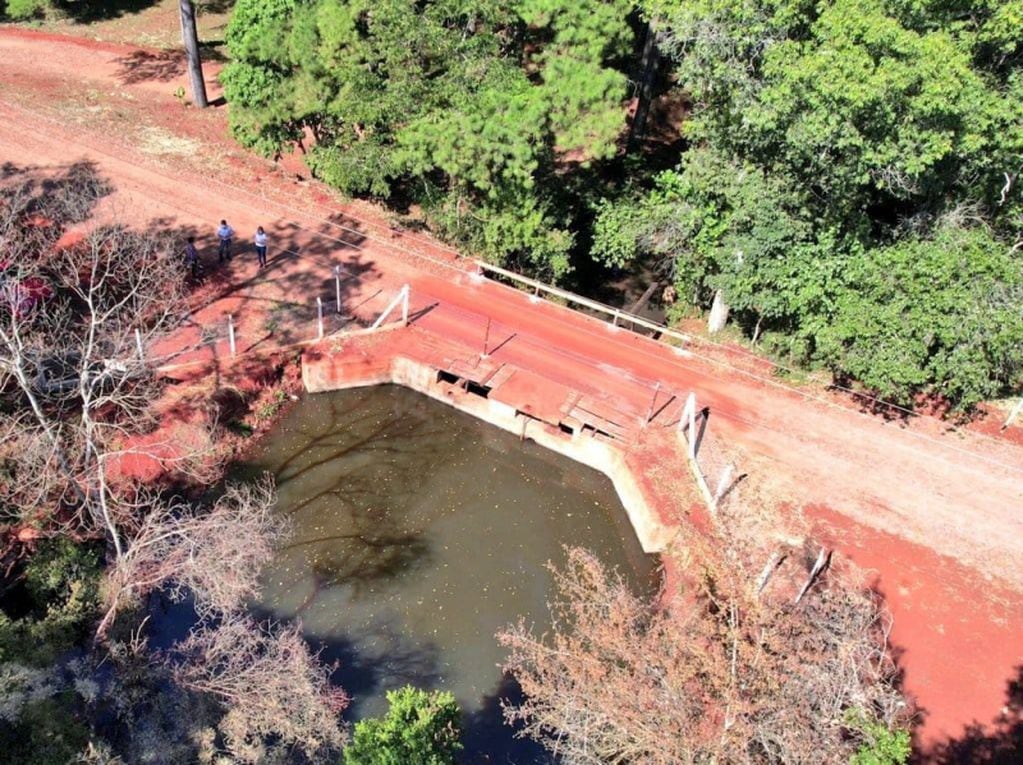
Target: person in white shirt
[225,234]
[261,241]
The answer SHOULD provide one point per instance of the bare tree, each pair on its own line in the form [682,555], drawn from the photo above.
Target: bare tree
[213,554]
[715,675]
[72,321]
[272,687]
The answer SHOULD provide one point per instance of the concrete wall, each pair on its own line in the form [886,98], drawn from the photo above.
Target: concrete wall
[326,371]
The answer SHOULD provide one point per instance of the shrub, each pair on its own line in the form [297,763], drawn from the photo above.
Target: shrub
[419,727]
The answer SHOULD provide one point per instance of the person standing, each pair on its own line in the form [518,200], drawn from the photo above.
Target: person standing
[192,256]
[261,242]
[225,234]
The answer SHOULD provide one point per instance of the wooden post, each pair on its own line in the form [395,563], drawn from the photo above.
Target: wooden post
[138,344]
[689,421]
[404,305]
[1012,415]
[230,333]
[772,564]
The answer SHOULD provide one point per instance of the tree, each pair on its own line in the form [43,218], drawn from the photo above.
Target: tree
[190,38]
[937,314]
[728,670]
[824,134]
[465,108]
[419,727]
[75,391]
[276,695]
[211,555]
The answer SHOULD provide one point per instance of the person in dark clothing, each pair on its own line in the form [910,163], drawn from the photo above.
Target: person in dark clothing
[192,257]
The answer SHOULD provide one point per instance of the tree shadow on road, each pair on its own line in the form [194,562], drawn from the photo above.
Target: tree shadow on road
[143,66]
[1000,743]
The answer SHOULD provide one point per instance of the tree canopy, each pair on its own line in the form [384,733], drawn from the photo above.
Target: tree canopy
[852,185]
[469,109]
[822,139]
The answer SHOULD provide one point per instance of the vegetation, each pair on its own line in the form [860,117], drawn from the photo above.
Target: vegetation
[823,142]
[419,727]
[852,186]
[85,542]
[469,109]
[721,673]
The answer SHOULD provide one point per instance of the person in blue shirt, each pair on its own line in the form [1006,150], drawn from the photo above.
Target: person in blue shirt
[225,234]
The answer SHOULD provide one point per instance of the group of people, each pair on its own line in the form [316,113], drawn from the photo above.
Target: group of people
[225,238]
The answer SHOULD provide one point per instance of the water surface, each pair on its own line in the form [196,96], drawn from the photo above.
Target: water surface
[419,532]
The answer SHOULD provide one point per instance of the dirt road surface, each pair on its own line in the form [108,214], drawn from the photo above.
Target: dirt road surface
[935,514]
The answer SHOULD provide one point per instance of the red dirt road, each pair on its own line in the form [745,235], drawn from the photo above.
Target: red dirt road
[937,514]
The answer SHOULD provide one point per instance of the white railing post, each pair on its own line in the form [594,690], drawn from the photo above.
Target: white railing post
[1012,415]
[138,344]
[230,333]
[319,318]
[337,287]
[723,484]
[402,297]
[688,420]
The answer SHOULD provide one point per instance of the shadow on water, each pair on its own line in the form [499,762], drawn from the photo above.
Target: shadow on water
[418,533]
[488,739]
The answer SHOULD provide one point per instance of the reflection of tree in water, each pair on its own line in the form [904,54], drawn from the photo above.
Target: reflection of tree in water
[365,465]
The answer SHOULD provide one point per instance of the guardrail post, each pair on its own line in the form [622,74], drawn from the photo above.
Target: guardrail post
[688,420]
[138,344]
[1012,415]
[337,287]
[486,340]
[230,333]
[319,318]
[723,484]
[653,402]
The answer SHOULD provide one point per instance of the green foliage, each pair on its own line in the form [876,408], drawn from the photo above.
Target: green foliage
[419,727]
[19,10]
[841,152]
[936,314]
[881,745]
[463,107]
[62,584]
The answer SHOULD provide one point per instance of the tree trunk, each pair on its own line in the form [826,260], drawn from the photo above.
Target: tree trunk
[190,38]
[647,75]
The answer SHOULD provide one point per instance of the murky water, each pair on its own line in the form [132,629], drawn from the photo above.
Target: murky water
[418,533]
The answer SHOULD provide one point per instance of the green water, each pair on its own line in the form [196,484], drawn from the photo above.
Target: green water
[418,532]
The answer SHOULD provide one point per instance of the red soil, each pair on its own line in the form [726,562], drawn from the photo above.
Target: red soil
[935,511]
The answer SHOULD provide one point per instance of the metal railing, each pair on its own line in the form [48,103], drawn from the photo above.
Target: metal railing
[617,315]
